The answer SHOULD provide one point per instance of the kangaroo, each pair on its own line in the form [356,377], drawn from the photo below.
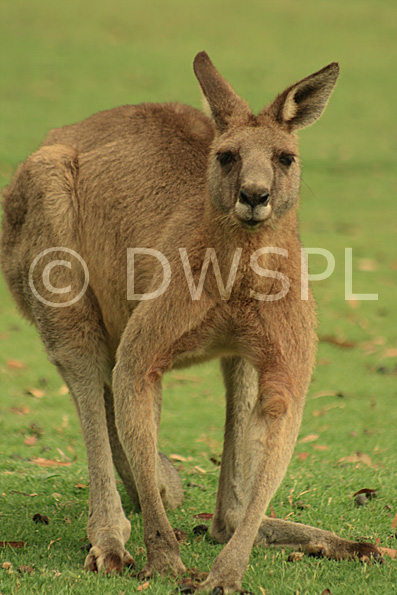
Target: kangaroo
[190,190]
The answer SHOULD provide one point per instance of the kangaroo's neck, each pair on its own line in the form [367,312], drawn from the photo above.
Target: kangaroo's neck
[240,252]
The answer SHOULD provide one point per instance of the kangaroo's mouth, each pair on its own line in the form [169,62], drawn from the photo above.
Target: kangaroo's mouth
[252,218]
[252,222]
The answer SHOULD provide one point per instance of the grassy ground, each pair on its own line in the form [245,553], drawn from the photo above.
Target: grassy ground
[63,61]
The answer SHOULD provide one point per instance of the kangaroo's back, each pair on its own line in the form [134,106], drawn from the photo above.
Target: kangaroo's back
[136,166]
[113,181]
[153,121]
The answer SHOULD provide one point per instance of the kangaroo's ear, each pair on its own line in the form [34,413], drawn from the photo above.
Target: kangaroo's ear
[224,105]
[303,103]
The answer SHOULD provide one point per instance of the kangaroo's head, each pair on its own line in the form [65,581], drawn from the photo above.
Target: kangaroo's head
[254,172]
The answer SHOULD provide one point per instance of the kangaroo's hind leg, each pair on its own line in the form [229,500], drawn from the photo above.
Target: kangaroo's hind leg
[119,459]
[170,484]
[241,383]
[41,216]
[76,344]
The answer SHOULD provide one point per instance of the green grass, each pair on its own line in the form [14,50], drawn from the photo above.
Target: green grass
[61,62]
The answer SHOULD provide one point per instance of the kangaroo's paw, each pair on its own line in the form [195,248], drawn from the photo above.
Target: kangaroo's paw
[108,560]
[221,584]
[347,550]
[163,565]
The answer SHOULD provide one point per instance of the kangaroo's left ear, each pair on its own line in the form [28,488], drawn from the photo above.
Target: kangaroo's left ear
[303,103]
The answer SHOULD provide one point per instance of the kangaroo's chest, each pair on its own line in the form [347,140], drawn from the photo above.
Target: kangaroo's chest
[227,330]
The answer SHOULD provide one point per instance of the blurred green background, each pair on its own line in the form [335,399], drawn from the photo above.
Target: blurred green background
[61,62]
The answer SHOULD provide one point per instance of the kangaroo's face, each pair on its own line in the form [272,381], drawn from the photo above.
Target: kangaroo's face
[254,174]
[254,169]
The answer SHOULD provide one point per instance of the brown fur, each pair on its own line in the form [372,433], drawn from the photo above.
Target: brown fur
[166,176]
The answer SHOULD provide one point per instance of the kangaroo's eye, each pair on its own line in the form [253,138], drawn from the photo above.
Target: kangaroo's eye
[225,158]
[286,159]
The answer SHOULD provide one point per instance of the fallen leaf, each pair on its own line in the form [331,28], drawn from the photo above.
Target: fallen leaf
[178,458]
[64,457]
[53,541]
[337,341]
[324,393]
[394,523]
[49,463]
[358,457]
[185,377]
[30,440]
[320,447]
[15,364]
[290,499]
[353,303]
[204,515]
[143,587]
[17,545]
[7,566]
[25,569]
[367,264]
[63,390]
[262,590]
[369,347]
[20,410]
[306,492]
[214,444]
[272,514]
[81,486]
[372,346]
[326,592]
[64,424]
[367,491]
[200,469]
[310,438]
[390,353]
[387,551]
[302,456]
[324,410]
[35,392]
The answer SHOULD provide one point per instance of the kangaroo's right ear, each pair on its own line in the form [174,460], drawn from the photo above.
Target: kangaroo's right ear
[303,103]
[224,104]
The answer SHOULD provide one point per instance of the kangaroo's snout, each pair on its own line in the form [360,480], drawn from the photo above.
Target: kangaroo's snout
[253,206]
[254,199]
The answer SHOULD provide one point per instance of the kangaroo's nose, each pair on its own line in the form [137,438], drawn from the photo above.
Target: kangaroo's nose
[254,199]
